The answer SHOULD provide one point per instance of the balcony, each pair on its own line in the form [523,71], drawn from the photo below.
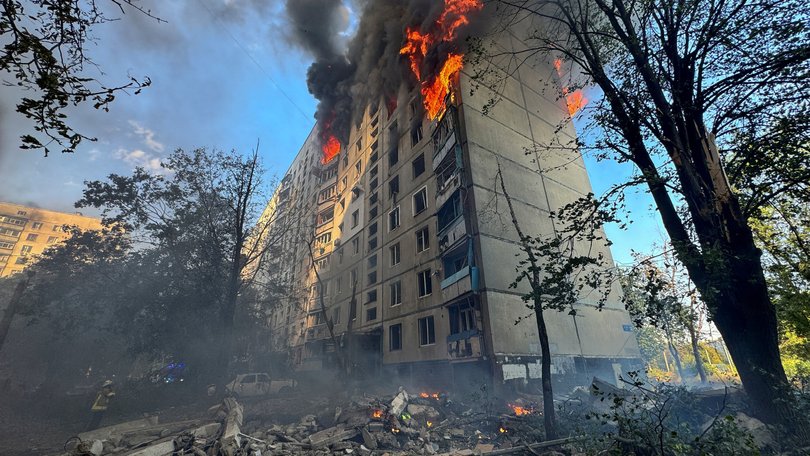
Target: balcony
[317,332]
[463,345]
[446,188]
[457,285]
[450,144]
[453,234]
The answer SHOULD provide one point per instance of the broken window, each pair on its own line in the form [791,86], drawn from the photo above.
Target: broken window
[450,211]
[396,293]
[416,134]
[395,254]
[420,201]
[462,317]
[418,165]
[427,333]
[425,283]
[395,337]
[393,187]
[326,216]
[393,219]
[422,240]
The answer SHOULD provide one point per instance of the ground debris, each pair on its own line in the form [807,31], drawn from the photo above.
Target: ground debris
[425,423]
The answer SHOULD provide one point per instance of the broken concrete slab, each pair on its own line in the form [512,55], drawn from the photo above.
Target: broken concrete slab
[331,435]
[399,403]
[368,439]
[423,411]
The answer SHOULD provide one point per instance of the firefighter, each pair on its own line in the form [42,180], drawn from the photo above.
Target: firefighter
[100,404]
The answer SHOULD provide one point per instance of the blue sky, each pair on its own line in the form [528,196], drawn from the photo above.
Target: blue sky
[223,75]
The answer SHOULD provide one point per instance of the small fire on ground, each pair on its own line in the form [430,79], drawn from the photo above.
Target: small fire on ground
[377,414]
[521,410]
[435,396]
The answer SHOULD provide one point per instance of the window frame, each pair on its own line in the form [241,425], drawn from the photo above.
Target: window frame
[391,332]
[424,283]
[422,191]
[427,331]
[398,219]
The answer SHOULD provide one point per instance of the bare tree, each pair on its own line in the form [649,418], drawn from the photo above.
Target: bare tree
[679,80]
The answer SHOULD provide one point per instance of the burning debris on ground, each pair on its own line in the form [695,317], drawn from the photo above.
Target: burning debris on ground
[425,422]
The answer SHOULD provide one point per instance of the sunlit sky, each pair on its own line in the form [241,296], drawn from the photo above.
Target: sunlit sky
[223,76]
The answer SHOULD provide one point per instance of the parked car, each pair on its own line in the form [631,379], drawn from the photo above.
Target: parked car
[258,384]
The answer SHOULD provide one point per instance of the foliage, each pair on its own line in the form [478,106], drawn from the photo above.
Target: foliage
[45,50]
[667,420]
[680,81]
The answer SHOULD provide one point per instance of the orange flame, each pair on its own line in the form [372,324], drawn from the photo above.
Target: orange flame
[417,44]
[430,396]
[429,424]
[502,430]
[520,410]
[575,100]
[330,148]
[377,414]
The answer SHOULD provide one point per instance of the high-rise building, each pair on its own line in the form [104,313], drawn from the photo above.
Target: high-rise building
[399,253]
[26,232]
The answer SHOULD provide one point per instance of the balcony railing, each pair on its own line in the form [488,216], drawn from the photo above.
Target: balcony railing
[441,153]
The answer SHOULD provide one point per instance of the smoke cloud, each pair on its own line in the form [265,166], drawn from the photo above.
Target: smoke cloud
[349,75]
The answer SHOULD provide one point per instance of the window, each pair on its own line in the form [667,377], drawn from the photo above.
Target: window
[373,198]
[338,285]
[4,258]
[326,216]
[31,237]
[393,187]
[353,276]
[359,144]
[396,293]
[372,229]
[355,218]
[373,184]
[374,171]
[416,134]
[322,239]
[422,240]
[418,165]
[12,220]
[374,156]
[57,228]
[462,318]
[450,211]
[21,260]
[393,156]
[9,232]
[355,246]
[420,201]
[344,183]
[395,254]
[425,283]
[322,263]
[372,244]
[395,337]
[372,261]
[22,213]
[371,296]
[372,213]
[36,225]
[372,278]
[6,245]
[371,314]
[52,239]
[327,193]
[393,219]
[346,161]
[26,250]
[427,333]
[358,167]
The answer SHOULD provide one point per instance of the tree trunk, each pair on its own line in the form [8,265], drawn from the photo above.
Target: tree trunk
[549,422]
[677,358]
[696,352]
[13,307]
[743,314]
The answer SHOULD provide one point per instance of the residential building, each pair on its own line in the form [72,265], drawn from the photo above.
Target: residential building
[26,232]
[413,254]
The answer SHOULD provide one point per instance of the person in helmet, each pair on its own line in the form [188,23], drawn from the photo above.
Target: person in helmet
[100,404]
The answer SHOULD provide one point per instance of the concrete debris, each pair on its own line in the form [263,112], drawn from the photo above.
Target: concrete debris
[424,423]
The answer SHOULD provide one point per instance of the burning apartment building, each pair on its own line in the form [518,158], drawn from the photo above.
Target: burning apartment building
[396,259]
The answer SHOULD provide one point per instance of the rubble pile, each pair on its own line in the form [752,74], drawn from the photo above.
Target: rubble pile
[426,423]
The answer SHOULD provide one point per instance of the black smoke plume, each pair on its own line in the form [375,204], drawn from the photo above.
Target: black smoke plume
[348,76]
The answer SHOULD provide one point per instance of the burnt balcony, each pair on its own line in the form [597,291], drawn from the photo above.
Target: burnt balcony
[464,345]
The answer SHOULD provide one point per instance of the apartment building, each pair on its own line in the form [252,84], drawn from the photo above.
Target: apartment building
[25,232]
[400,254]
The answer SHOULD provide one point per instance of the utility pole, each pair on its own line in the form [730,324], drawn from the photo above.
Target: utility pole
[13,306]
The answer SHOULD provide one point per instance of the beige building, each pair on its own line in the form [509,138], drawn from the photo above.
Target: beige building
[26,232]
[415,253]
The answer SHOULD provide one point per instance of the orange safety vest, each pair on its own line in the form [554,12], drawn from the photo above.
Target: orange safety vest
[102,400]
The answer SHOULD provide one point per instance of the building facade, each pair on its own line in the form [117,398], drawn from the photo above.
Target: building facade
[26,232]
[400,254]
